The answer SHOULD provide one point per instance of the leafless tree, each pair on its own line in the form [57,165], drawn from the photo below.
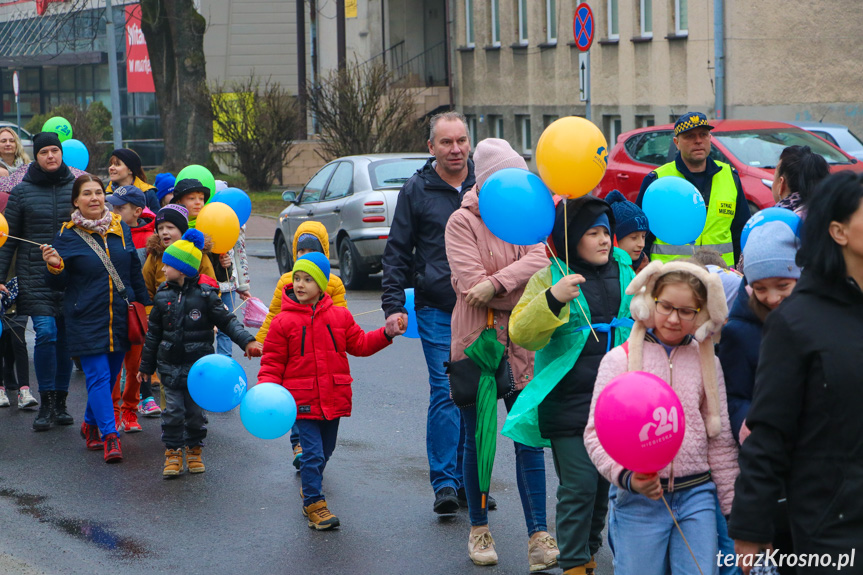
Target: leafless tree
[362,110]
[261,120]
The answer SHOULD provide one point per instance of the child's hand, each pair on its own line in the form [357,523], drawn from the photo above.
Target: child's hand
[225,260]
[254,349]
[647,484]
[397,324]
[566,288]
[142,377]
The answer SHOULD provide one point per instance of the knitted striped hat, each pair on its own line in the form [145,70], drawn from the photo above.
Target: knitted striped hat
[316,265]
[184,255]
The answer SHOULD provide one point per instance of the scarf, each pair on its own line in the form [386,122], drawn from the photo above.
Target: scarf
[38,176]
[101,225]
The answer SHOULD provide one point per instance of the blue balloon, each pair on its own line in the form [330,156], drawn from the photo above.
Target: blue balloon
[412,331]
[217,383]
[75,154]
[268,411]
[675,210]
[237,200]
[517,207]
[771,215]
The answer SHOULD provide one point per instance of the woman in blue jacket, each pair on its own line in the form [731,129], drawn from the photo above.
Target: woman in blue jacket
[95,311]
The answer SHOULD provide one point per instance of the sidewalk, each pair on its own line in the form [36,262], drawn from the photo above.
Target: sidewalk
[261,228]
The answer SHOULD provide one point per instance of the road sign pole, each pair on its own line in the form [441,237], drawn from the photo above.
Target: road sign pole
[15,85]
[113,76]
[587,88]
[583,27]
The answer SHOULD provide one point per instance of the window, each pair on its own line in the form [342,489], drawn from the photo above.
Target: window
[650,148]
[471,128]
[681,18]
[522,21]
[551,21]
[523,125]
[647,18]
[393,173]
[613,29]
[644,121]
[496,126]
[612,128]
[826,136]
[312,191]
[547,120]
[495,22]
[341,182]
[468,22]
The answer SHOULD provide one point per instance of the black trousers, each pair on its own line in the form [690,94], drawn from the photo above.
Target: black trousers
[14,359]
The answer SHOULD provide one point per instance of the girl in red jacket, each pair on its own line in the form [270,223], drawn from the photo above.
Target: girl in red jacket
[306,351]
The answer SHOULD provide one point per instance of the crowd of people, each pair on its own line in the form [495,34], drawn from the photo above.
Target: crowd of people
[771,457]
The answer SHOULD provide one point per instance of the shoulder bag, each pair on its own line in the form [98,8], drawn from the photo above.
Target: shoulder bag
[464,377]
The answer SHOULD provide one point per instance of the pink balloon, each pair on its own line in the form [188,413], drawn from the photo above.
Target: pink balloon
[639,421]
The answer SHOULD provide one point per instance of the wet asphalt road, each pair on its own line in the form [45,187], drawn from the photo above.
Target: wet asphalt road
[64,511]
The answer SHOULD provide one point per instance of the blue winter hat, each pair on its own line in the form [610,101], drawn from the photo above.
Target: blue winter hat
[316,265]
[771,252]
[164,184]
[628,217]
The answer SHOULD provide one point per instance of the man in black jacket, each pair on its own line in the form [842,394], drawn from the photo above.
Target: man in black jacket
[415,255]
[37,208]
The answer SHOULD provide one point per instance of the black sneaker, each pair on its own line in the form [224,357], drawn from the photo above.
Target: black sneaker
[462,500]
[445,501]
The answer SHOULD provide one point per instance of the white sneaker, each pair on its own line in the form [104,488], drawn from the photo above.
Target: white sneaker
[26,399]
[4,399]
[542,551]
[480,547]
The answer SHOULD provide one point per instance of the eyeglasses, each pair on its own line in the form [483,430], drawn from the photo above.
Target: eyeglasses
[684,313]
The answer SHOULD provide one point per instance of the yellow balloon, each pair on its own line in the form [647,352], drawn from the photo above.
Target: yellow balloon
[221,223]
[571,156]
[4,229]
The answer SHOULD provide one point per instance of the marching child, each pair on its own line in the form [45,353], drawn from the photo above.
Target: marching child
[557,317]
[306,351]
[185,310]
[630,229]
[678,308]
[309,237]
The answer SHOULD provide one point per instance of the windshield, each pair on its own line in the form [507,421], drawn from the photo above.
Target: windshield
[393,173]
[761,148]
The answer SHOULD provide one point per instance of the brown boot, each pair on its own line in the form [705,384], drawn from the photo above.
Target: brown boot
[320,517]
[173,463]
[193,459]
[580,570]
[590,567]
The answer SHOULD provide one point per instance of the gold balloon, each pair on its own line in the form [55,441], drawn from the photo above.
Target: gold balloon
[221,223]
[571,156]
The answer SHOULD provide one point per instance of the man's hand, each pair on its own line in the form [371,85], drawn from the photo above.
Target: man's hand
[244,295]
[480,294]
[142,377]
[225,260]
[566,288]
[254,349]
[397,324]
[647,484]
[744,549]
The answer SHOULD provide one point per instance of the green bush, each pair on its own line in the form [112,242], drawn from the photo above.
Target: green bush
[91,126]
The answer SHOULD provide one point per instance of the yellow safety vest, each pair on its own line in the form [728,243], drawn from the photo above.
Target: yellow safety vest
[720,213]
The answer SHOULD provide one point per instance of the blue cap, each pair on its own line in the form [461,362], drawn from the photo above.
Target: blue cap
[164,184]
[127,195]
[602,221]
[690,121]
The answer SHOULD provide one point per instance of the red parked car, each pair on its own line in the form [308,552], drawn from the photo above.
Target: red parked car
[752,147]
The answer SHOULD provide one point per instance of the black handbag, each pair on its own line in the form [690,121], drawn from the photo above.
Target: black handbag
[464,377]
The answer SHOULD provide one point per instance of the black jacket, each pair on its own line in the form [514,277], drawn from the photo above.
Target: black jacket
[741,213]
[37,207]
[416,242]
[564,411]
[806,424]
[181,326]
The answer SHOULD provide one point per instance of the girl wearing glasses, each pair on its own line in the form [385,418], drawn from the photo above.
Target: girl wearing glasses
[678,308]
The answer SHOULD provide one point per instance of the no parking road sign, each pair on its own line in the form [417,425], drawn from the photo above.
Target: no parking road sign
[583,27]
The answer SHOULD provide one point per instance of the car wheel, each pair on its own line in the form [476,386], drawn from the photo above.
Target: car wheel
[349,266]
[753,209]
[283,255]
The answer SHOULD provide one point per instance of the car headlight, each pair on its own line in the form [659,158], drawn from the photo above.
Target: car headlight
[768,183]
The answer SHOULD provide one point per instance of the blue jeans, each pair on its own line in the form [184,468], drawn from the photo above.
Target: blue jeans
[726,543]
[223,342]
[529,470]
[318,438]
[645,541]
[445,431]
[51,359]
[101,372]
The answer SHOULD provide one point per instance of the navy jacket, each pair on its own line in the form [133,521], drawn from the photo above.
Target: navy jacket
[738,354]
[741,214]
[415,254]
[96,315]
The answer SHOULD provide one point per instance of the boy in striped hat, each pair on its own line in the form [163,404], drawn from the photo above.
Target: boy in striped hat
[185,309]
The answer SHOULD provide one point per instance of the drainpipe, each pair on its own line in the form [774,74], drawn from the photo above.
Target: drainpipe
[450,52]
[719,56]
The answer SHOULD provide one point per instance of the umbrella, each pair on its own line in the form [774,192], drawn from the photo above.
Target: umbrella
[487,353]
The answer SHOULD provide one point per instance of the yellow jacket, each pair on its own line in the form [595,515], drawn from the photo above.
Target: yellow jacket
[335,287]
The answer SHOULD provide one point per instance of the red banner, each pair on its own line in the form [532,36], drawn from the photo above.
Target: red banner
[139,76]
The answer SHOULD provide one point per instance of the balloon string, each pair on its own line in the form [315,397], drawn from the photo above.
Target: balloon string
[21,239]
[557,261]
[676,524]
[565,234]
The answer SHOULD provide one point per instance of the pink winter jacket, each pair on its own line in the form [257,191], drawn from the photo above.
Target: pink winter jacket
[475,255]
[698,454]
